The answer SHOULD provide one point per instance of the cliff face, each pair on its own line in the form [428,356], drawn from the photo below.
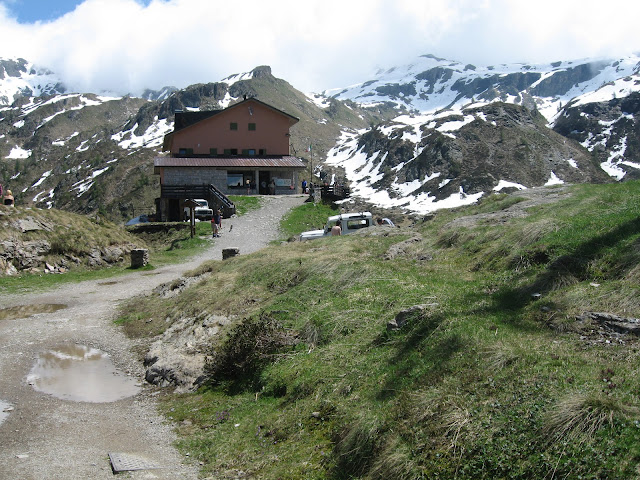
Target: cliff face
[611,130]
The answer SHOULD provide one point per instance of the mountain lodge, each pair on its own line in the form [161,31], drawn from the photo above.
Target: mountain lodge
[240,150]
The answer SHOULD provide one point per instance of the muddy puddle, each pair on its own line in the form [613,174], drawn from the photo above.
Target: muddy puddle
[80,374]
[24,311]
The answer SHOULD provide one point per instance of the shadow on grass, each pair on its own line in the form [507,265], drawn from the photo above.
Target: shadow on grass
[177,244]
[423,350]
[566,269]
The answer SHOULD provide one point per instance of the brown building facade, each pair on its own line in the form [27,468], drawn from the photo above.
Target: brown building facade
[241,150]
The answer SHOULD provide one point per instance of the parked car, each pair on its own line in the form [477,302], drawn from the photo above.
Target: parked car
[138,219]
[202,211]
[350,222]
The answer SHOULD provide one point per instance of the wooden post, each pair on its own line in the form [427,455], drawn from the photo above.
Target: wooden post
[191,204]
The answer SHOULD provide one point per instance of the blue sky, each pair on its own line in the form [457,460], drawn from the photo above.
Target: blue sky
[31,11]
[125,46]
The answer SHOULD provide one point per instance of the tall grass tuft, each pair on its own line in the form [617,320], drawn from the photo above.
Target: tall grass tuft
[578,417]
[356,445]
[394,461]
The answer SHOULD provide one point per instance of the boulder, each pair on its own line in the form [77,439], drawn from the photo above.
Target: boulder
[406,316]
[230,252]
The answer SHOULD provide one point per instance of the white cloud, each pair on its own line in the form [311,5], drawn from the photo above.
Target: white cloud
[124,46]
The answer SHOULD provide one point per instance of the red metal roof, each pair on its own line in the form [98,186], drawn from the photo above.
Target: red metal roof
[286,161]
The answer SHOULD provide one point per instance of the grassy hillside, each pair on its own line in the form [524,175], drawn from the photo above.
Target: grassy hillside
[492,376]
[34,242]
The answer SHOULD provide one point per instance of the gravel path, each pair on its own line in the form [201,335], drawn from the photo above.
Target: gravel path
[42,436]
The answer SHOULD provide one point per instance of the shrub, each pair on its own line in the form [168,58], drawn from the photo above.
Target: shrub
[249,346]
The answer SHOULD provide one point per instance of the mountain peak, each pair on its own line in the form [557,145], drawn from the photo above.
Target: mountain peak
[20,78]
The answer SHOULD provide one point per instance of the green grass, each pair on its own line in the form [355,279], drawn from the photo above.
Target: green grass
[28,282]
[245,203]
[484,382]
[309,216]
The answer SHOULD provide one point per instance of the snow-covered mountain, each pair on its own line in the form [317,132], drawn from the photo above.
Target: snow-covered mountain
[19,78]
[433,134]
[86,152]
[432,85]
[453,145]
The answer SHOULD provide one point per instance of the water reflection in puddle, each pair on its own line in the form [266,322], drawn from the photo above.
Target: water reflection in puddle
[24,311]
[81,374]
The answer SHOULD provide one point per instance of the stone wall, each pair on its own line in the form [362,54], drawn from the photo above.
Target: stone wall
[195,176]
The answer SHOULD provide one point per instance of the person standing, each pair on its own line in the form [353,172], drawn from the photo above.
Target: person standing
[337,229]
[214,226]
[216,223]
[304,186]
[8,199]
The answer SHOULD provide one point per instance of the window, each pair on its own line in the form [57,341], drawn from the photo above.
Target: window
[249,151]
[233,126]
[185,151]
[237,180]
[234,180]
[213,152]
[230,151]
[252,127]
[262,151]
[356,224]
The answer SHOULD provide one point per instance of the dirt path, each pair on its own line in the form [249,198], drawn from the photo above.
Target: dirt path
[43,436]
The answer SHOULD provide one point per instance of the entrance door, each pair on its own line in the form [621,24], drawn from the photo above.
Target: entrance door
[265,178]
[174,210]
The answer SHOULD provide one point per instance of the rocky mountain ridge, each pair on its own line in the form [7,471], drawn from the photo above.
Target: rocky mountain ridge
[430,135]
[446,146]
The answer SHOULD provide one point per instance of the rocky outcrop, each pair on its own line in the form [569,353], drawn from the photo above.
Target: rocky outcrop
[177,358]
[38,256]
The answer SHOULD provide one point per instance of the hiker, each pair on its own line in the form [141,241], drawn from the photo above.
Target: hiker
[216,223]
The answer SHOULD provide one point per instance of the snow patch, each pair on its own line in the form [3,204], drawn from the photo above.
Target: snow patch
[502,184]
[153,137]
[42,179]
[553,180]
[18,153]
